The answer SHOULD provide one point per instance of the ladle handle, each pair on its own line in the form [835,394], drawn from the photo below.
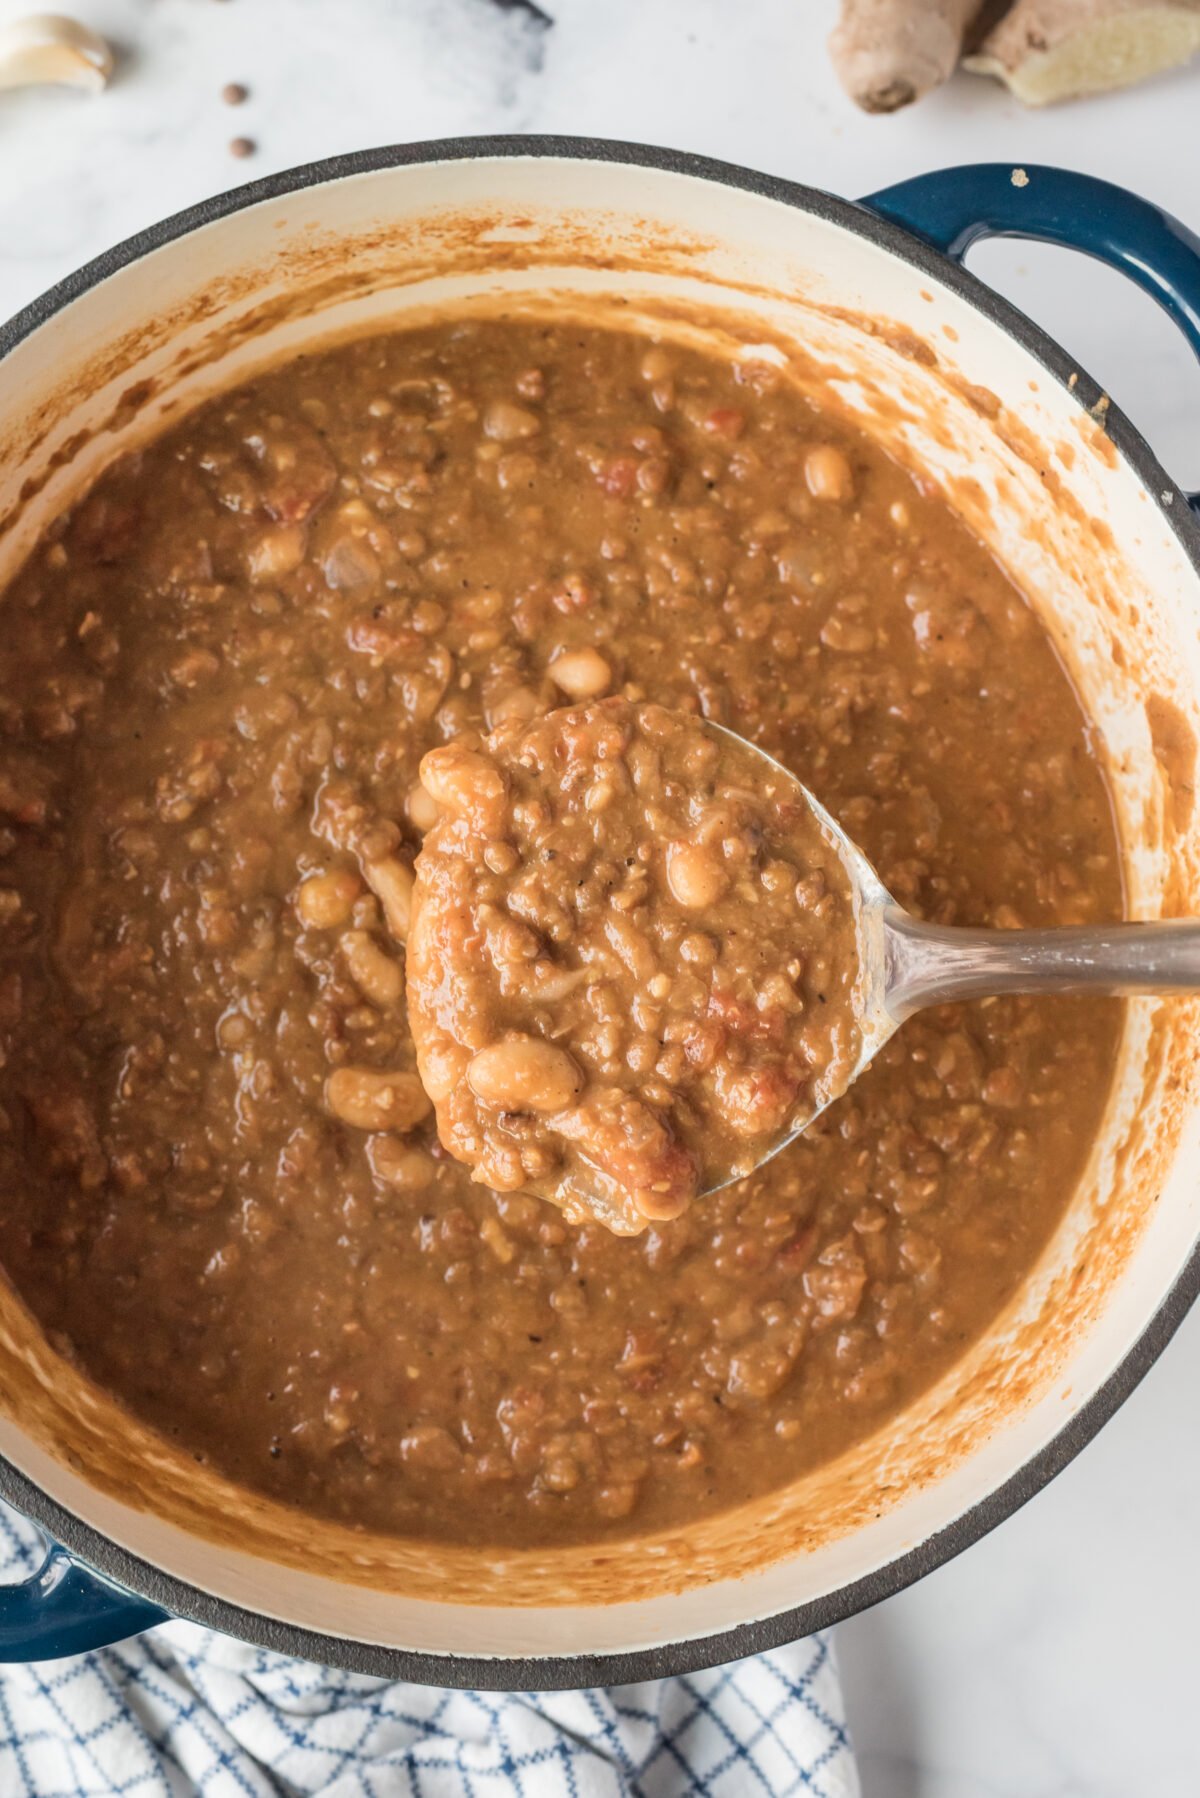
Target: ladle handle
[931,964]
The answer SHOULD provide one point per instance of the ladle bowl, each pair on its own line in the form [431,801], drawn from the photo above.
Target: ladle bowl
[906,964]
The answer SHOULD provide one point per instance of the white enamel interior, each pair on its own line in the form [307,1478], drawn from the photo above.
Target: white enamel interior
[751,253]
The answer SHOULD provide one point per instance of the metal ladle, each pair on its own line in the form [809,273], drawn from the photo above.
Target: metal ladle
[906,964]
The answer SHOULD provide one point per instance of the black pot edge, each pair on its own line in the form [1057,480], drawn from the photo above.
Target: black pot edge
[572,1672]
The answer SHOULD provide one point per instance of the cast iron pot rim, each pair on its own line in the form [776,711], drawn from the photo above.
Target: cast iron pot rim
[565,1672]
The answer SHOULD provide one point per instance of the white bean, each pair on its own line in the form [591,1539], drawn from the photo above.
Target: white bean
[421,808]
[506,423]
[581,673]
[467,783]
[695,875]
[392,884]
[523,1073]
[828,473]
[372,970]
[325,901]
[369,1099]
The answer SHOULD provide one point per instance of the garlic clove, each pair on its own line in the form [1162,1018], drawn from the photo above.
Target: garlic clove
[48,47]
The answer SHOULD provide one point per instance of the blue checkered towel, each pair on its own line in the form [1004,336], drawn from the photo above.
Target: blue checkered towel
[182,1712]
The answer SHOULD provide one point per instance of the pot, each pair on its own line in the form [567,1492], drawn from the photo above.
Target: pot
[870,305]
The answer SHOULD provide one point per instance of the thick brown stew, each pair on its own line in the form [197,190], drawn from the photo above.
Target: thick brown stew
[633,963]
[224,1197]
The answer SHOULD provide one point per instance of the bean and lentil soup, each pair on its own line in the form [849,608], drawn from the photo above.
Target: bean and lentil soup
[627,858]
[224,1195]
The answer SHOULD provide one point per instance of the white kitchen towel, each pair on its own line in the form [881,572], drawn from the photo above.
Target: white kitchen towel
[183,1712]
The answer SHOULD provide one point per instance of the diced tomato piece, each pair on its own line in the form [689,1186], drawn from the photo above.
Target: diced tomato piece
[725,422]
[618,476]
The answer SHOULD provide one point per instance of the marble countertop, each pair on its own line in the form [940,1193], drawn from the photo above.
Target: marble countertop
[1057,1658]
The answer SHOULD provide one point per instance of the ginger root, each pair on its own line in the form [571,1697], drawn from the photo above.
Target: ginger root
[1049,50]
[888,53]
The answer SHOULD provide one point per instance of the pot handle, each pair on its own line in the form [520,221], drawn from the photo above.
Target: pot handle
[64,1608]
[955,208]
